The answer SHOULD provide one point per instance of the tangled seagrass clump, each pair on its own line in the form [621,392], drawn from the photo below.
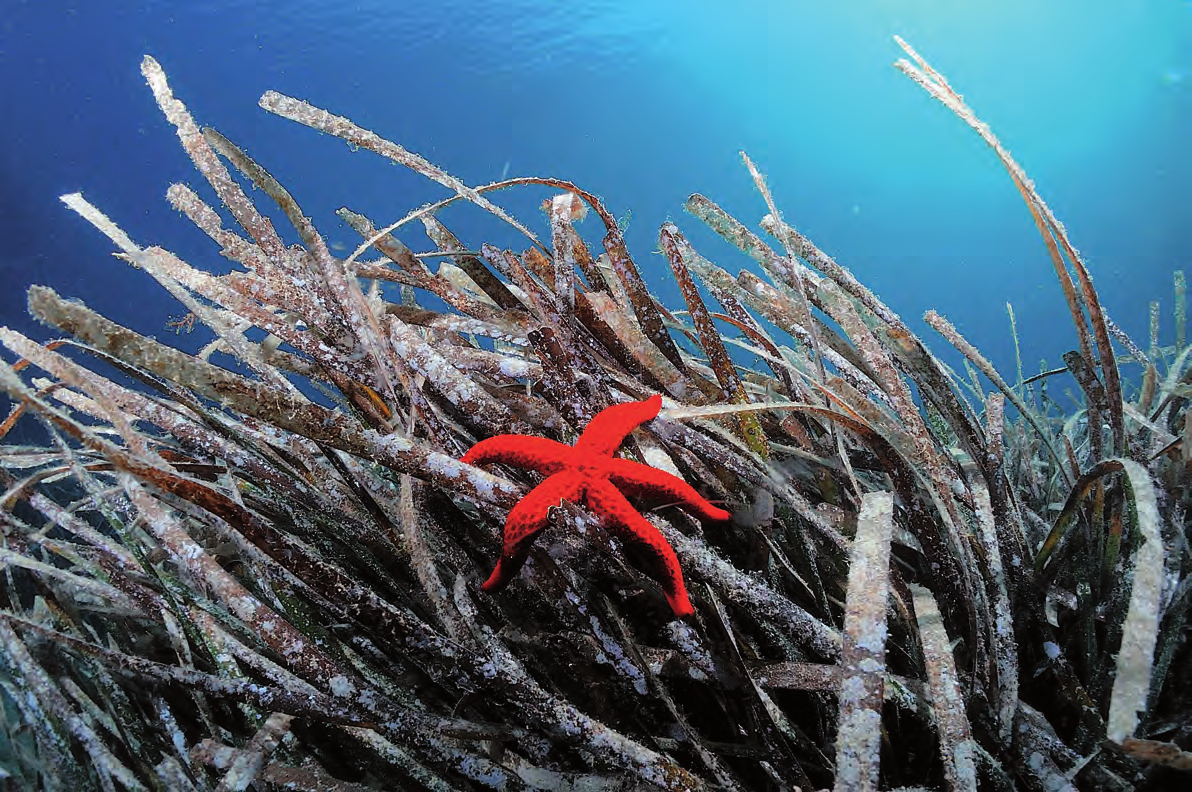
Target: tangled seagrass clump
[268,578]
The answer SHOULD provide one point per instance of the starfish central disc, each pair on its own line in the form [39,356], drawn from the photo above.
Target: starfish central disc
[588,473]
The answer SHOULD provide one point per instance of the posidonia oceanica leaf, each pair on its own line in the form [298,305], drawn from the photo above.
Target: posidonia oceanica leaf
[1080,489]
[1141,628]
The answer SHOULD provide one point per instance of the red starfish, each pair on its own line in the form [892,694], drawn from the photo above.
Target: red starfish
[588,472]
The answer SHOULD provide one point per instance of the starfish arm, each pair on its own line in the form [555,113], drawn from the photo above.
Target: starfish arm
[533,453]
[619,516]
[606,431]
[525,521]
[634,478]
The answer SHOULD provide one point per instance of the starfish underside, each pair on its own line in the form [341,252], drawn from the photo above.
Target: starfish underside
[588,473]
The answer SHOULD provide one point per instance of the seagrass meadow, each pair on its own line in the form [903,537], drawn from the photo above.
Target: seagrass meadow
[258,566]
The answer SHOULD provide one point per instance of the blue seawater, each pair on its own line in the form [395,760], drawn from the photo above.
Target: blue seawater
[641,103]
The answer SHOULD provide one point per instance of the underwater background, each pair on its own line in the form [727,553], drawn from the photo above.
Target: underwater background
[271,579]
[641,103]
